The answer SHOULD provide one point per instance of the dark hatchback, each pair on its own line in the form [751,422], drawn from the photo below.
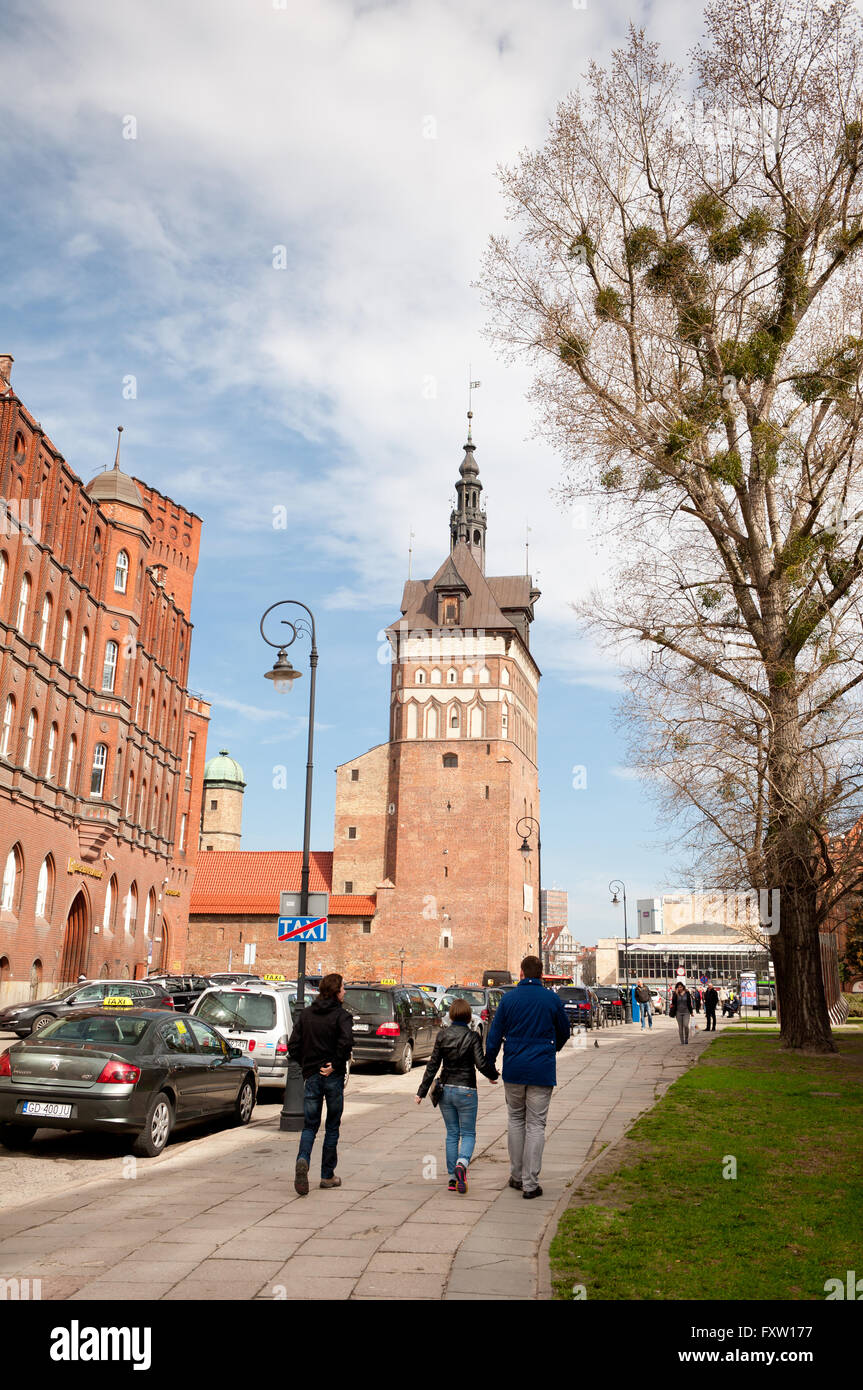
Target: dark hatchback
[395,1024]
[582,1006]
[23,1019]
[122,1070]
[183,989]
[611,999]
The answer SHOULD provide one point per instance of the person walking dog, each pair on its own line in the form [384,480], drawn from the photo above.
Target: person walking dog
[532,1024]
[642,998]
[321,1043]
[682,1010]
[459,1052]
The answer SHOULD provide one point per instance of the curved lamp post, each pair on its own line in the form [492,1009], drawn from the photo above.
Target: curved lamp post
[618,886]
[525,850]
[283,675]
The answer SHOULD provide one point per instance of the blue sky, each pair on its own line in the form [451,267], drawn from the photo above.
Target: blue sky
[247,232]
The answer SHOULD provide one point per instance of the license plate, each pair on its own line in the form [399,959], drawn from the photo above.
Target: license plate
[47,1108]
[361,1027]
[241,1043]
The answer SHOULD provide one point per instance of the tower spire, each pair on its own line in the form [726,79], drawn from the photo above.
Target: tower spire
[117,455]
[467,521]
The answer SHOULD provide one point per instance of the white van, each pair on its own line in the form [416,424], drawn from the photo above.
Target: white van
[255,1017]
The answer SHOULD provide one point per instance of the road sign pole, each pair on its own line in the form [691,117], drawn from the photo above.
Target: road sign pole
[291,1118]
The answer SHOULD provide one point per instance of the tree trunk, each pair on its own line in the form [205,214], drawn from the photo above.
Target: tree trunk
[804,1020]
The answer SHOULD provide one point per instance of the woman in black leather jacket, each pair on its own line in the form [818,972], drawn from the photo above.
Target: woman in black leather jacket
[459,1052]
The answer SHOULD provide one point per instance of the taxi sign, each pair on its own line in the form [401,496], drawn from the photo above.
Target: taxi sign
[117,1002]
[274,977]
[388,982]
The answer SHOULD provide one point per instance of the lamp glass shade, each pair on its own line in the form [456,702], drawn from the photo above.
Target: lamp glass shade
[283,673]
[525,849]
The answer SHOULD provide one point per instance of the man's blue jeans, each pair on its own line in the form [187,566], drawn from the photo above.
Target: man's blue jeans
[317,1089]
[458,1106]
[646,1013]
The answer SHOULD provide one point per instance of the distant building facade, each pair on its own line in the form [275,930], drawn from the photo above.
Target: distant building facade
[222,812]
[101,743]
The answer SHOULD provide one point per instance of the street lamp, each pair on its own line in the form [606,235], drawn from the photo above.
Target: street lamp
[618,886]
[665,959]
[530,824]
[402,963]
[283,675]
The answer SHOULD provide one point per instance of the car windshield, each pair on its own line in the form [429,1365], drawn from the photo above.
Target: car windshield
[564,994]
[474,997]
[369,1001]
[254,1013]
[97,1030]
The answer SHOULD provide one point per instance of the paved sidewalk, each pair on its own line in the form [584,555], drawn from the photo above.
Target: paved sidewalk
[228,1225]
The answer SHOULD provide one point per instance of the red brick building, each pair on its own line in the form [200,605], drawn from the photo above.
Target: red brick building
[102,746]
[426,858]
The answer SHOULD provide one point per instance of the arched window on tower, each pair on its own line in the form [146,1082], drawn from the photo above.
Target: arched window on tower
[8,727]
[52,749]
[412,721]
[23,601]
[121,573]
[45,888]
[420,678]
[431,722]
[436,676]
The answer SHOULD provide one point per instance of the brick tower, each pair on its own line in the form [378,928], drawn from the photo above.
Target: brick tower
[427,820]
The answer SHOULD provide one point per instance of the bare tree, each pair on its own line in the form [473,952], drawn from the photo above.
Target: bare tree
[686,275]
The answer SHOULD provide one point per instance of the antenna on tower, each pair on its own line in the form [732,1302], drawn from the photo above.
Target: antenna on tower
[527,531]
[471,387]
[410,553]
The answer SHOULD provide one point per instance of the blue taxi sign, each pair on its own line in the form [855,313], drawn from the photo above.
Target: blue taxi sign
[302,929]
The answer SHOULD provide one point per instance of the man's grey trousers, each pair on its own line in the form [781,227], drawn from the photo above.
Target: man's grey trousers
[527,1108]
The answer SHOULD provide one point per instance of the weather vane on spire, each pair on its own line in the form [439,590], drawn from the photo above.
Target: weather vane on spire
[471,387]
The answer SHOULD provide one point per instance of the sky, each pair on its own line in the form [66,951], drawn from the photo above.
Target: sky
[248,231]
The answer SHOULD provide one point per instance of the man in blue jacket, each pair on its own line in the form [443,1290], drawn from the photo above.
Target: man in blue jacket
[533,1025]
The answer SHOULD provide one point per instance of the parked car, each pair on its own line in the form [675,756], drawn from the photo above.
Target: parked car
[483,1004]
[493,978]
[23,1019]
[126,1070]
[183,989]
[256,1018]
[611,999]
[657,999]
[582,1006]
[392,1023]
[231,977]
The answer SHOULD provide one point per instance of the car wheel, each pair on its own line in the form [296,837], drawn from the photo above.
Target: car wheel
[41,1021]
[245,1102]
[16,1136]
[157,1127]
[406,1061]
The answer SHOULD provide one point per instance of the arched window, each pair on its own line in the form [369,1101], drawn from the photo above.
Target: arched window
[70,763]
[64,637]
[52,749]
[504,717]
[109,669]
[150,707]
[467,675]
[451,676]
[504,676]
[12,875]
[97,777]
[110,912]
[82,653]
[484,676]
[2,571]
[130,796]
[476,722]
[29,741]
[23,601]
[148,913]
[412,720]
[45,887]
[138,698]
[454,717]
[47,604]
[130,917]
[450,760]
[431,722]
[142,802]
[35,978]
[436,676]
[420,677]
[163,722]
[121,573]
[8,726]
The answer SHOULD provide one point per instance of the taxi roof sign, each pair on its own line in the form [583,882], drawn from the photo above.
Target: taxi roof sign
[119,1001]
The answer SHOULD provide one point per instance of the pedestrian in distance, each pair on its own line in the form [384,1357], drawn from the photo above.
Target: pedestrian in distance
[321,1043]
[458,1051]
[711,999]
[682,1010]
[643,1000]
[532,1025]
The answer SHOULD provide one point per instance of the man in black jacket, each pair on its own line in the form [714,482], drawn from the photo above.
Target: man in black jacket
[321,1043]
[711,999]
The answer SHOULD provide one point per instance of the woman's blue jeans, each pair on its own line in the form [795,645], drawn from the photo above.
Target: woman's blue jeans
[458,1106]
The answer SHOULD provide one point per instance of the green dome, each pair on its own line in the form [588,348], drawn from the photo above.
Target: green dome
[224,768]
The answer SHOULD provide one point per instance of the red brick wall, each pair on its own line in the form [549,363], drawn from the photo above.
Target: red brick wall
[362,805]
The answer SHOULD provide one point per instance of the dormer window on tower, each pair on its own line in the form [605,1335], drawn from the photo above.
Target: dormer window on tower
[449,615]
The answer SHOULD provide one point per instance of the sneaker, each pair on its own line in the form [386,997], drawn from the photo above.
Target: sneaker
[452,1185]
[301,1177]
[514,1182]
[537,1192]
[461,1177]
[331,1182]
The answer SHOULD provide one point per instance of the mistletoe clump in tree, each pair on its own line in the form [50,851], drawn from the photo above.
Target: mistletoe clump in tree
[687,275]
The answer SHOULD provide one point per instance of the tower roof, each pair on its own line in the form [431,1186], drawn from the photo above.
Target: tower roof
[224,768]
[488,603]
[113,485]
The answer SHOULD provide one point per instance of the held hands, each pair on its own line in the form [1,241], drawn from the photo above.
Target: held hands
[327,1070]
[418,1099]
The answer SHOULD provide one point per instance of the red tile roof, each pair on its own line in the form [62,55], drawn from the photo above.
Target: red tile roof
[248,881]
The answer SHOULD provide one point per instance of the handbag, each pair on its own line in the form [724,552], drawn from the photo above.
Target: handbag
[436,1092]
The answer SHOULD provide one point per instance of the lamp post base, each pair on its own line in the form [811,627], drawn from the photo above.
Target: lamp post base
[291,1119]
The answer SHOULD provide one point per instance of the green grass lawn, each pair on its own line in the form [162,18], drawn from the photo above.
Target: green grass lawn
[664,1223]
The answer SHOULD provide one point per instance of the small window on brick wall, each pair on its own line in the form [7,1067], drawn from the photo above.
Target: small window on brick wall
[451,759]
[367,928]
[355,774]
[349,887]
[352,832]
[214,805]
